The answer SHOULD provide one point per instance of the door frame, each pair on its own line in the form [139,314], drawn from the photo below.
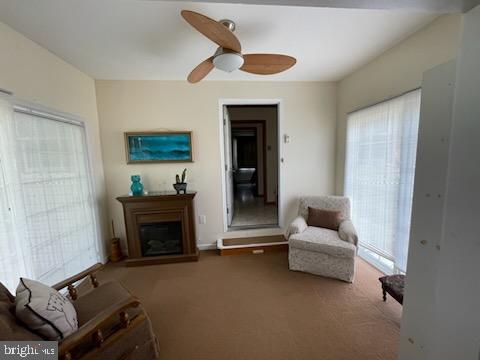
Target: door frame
[279,104]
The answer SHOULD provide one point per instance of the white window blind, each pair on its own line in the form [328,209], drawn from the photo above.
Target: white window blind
[48,227]
[379,174]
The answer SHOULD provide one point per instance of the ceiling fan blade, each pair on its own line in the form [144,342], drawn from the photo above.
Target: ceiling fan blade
[267,64]
[202,70]
[213,30]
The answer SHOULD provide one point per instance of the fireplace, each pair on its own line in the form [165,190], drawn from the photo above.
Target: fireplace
[160,228]
[163,238]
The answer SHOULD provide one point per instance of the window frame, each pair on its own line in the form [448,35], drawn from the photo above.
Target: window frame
[35,109]
[366,252]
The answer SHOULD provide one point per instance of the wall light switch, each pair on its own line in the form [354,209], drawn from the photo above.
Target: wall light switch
[286,138]
[202,219]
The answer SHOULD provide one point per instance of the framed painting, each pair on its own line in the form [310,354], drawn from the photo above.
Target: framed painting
[158,147]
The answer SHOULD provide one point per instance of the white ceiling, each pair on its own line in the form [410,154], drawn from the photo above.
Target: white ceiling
[136,39]
[420,5]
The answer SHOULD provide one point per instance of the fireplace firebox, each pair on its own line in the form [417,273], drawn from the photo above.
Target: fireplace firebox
[160,228]
[163,238]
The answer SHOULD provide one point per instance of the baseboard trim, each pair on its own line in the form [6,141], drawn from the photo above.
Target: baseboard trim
[202,247]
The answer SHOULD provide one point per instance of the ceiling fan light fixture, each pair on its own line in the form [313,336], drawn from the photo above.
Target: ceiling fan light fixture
[228,61]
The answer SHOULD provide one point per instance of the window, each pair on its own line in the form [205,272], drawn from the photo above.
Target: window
[48,227]
[379,176]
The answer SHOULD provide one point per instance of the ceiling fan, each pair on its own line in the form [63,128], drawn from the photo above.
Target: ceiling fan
[228,56]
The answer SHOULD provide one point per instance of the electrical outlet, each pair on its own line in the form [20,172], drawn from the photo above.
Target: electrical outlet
[202,219]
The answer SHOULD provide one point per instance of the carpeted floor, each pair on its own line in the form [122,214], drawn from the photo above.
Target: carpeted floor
[252,307]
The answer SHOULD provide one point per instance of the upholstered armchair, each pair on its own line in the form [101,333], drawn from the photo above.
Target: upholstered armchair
[112,323]
[322,251]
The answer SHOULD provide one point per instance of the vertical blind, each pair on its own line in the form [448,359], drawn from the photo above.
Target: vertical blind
[48,227]
[379,174]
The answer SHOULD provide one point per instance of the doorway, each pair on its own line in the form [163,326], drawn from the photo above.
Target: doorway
[251,156]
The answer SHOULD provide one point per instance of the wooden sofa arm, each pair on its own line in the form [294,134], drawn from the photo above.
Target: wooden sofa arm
[92,330]
[69,282]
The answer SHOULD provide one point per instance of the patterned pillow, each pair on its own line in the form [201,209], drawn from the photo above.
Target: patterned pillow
[44,310]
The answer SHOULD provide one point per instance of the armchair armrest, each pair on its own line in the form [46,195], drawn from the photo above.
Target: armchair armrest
[347,232]
[297,226]
[92,330]
[68,283]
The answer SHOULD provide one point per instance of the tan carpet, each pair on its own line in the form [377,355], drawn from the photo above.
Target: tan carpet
[252,307]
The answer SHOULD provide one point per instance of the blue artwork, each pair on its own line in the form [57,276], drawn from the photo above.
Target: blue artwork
[159,147]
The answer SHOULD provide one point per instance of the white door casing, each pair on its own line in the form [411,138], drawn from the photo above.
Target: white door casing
[221,110]
[228,168]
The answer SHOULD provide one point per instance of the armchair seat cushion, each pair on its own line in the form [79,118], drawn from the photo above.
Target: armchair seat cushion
[323,241]
[93,302]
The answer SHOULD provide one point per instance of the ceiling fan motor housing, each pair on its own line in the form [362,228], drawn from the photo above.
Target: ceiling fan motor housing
[229,24]
[227,60]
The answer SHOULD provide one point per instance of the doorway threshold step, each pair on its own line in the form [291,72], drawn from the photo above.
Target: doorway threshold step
[252,245]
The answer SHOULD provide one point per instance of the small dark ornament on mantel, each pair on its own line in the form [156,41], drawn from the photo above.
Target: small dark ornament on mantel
[181,185]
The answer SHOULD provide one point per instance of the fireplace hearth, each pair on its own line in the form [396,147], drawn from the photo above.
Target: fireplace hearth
[160,228]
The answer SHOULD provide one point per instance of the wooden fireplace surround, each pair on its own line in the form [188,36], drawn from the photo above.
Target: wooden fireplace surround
[159,207]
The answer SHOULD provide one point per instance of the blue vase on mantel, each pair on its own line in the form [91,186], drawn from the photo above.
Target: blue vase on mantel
[137,186]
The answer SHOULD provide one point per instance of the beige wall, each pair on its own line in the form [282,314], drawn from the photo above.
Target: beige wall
[36,75]
[309,118]
[397,70]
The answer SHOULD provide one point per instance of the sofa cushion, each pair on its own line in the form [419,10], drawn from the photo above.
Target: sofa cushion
[324,241]
[6,295]
[327,219]
[44,310]
[93,302]
[10,328]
